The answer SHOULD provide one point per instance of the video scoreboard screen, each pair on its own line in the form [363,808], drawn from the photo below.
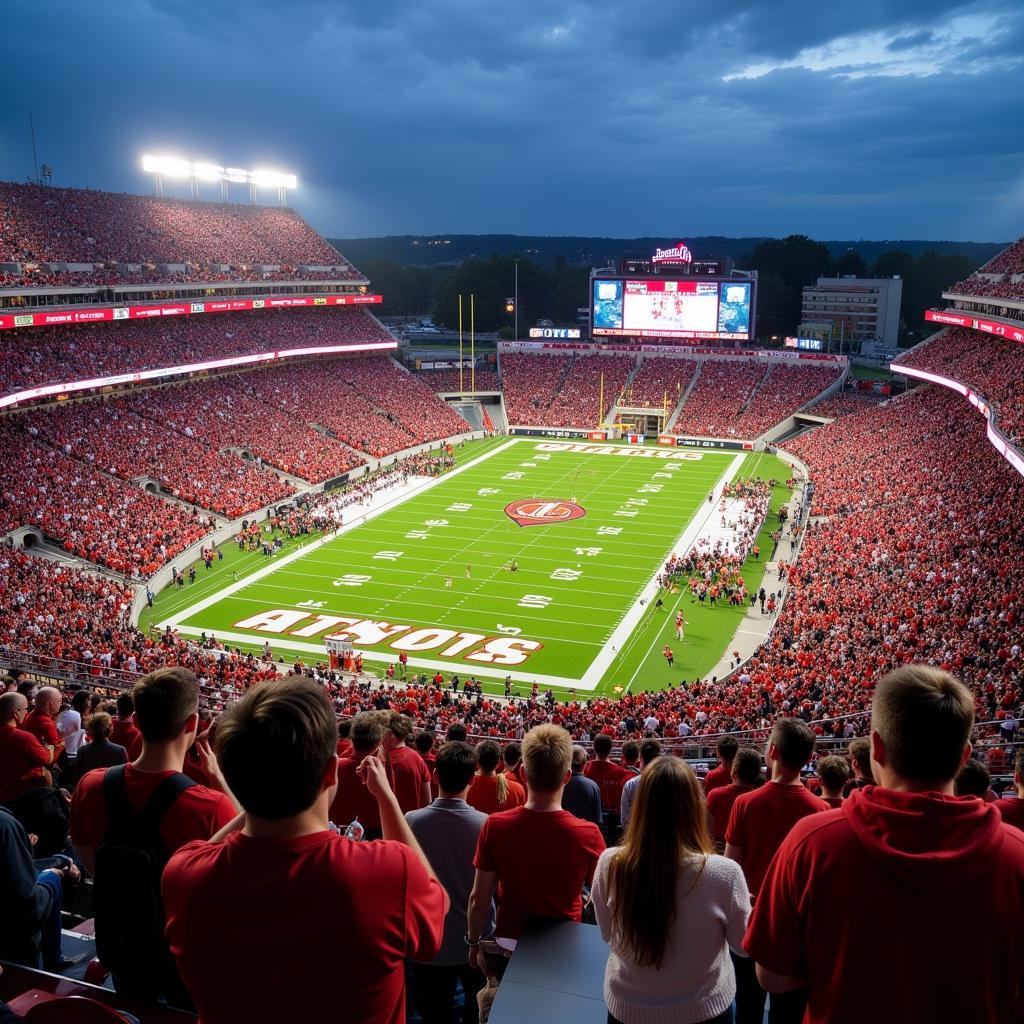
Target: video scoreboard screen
[666,308]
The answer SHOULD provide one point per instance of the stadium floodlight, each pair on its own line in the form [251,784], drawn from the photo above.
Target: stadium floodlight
[272,179]
[208,172]
[236,175]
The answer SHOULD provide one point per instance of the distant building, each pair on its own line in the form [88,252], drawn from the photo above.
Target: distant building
[863,312]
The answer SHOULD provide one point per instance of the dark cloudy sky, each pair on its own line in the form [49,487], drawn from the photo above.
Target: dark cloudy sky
[874,118]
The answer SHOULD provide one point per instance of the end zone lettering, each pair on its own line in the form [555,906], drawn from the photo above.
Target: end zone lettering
[605,449]
[447,643]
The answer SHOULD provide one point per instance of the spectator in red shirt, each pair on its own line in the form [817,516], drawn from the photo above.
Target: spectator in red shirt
[758,824]
[352,801]
[344,738]
[512,755]
[408,773]
[934,865]
[859,754]
[489,791]
[721,774]
[341,916]
[124,732]
[166,712]
[610,777]
[834,772]
[506,853]
[1012,808]
[746,776]
[974,779]
[41,720]
[23,759]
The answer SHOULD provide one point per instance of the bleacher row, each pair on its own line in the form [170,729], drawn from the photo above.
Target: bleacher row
[1001,278]
[62,225]
[730,398]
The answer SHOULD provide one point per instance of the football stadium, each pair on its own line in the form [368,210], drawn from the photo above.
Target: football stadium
[631,665]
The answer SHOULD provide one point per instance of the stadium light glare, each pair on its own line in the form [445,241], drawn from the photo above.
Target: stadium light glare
[237,175]
[272,179]
[208,172]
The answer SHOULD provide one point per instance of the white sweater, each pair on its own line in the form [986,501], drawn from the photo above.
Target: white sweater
[696,981]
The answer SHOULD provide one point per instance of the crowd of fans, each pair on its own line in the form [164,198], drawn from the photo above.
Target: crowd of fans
[125,438]
[89,514]
[986,363]
[529,384]
[48,355]
[714,893]
[1001,278]
[847,402]
[722,392]
[660,381]
[63,225]
[448,381]
[784,390]
[372,404]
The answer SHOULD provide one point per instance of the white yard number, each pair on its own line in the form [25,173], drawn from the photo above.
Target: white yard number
[633,502]
[527,465]
[415,535]
[566,574]
[510,630]
[589,552]
[437,522]
[662,476]
[351,580]
[650,489]
[543,458]
[630,512]
[459,506]
[609,531]
[512,476]
[387,556]
[534,601]
[312,604]
[486,492]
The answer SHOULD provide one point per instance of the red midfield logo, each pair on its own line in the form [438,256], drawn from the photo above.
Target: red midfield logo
[543,511]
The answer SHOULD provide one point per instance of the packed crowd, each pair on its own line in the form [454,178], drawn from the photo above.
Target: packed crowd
[125,438]
[63,225]
[89,514]
[990,365]
[784,390]
[722,392]
[372,404]
[448,382]
[579,399]
[715,895]
[48,355]
[847,402]
[530,384]
[659,382]
[1001,278]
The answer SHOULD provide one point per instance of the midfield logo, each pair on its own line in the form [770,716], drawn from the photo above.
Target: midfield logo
[543,512]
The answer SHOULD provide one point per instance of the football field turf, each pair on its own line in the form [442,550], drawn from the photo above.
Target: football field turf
[588,527]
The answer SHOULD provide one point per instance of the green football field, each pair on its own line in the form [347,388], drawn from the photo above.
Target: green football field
[587,527]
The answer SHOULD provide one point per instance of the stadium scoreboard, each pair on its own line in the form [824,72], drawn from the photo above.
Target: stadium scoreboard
[685,308]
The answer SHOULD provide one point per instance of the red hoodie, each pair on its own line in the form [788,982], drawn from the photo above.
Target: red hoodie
[897,907]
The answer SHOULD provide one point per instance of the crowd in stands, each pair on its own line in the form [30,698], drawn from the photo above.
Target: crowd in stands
[722,392]
[237,412]
[995,278]
[846,402]
[986,363]
[89,514]
[47,355]
[529,384]
[714,895]
[659,381]
[784,390]
[448,382]
[124,438]
[63,225]
[372,404]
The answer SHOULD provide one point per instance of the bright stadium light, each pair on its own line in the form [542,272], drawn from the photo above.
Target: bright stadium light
[176,167]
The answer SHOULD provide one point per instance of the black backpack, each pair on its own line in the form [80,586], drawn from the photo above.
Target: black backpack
[126,888]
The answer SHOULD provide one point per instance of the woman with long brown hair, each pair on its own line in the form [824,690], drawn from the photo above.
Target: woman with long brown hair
[492,790]
[669,908]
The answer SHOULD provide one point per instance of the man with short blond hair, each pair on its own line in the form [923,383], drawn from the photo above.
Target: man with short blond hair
[909,869]
[510,840]
[834,772]
[409,774]
[23,759]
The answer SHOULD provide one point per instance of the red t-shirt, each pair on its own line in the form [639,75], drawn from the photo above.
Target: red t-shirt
[833,801]
[408,772]
[22,759]
[1012,810]
[483,794]
[877,905]
[352,799]
[123,731]
[611,778]
[720,801]
[325,924]
[762,819]
[718,776]
[196,814]
[509,844]
[44,728]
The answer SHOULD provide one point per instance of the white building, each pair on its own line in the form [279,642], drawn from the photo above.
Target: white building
[864,311]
